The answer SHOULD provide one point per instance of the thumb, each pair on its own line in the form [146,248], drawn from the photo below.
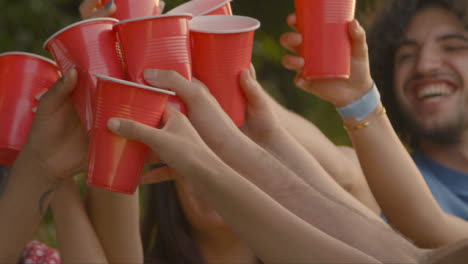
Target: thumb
[358,40]
[253,91]
[133,130]
[59,92]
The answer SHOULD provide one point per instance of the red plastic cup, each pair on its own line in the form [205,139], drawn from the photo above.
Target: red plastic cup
[91,47]
[157,42]
[221,49]
[204,8]
[22,76]
[326,46]
[127,9]
[114,162]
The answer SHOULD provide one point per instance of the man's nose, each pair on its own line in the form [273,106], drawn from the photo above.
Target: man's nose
[429,61]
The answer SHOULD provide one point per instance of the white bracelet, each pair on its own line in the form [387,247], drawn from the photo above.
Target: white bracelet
[362,107]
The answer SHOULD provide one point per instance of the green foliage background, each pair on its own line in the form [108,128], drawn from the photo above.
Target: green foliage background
[26,24]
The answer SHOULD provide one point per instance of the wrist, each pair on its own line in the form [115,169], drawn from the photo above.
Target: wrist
[352,124]
[28,160]
[358,91]
[362,107]
[66,193]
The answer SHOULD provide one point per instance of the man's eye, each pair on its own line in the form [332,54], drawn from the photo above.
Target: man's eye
[404,57]
[455,48]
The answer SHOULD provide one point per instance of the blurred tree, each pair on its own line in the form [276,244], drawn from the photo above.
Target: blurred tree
[26,24]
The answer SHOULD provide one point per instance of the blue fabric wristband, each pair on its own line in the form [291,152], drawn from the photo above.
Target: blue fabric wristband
[362,107]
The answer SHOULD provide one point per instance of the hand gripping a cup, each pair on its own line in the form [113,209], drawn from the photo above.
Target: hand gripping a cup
[22,75]
[339,92]
[174,142]
[261,121]
[115,163]
[56,139]
[204,112]
[260,126]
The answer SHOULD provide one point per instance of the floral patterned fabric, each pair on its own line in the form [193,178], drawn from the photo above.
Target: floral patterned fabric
[38,253]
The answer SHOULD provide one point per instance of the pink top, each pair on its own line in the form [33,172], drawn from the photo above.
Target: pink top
[38,253]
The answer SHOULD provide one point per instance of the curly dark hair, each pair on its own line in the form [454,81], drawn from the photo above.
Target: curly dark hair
[384,35]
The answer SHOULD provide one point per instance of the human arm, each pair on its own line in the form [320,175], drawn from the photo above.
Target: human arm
[339,161]
[234,197]
[76,238]
[22,204]
[116,219]
[331,211]
[55,150]
[391,173]
[400,188]
[264,119]
[113,215]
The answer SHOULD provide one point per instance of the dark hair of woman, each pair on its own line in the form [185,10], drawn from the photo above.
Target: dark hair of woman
[165,230]
[387,27]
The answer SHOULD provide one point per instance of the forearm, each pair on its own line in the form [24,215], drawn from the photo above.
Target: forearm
[335,160]
[286,239]
[115,218]
[25,198]
[77,240]
[328,213]
[398,185]
[360,189]
[338,166]
[292,154]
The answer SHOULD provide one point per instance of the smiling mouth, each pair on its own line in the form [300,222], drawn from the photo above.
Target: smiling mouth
[434,92]
[431,90]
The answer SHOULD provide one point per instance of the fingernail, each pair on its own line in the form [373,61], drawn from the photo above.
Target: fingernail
[253,74]
[69,73]
[150,74]
[357,26]
[109,4]
[301,60]
[34,110]
[162,4]
[113,124]
[174,105]
[39,95]
[300,82]
[246,74]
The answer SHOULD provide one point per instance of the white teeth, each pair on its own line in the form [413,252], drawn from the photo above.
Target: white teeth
[434,90]
[433,99]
